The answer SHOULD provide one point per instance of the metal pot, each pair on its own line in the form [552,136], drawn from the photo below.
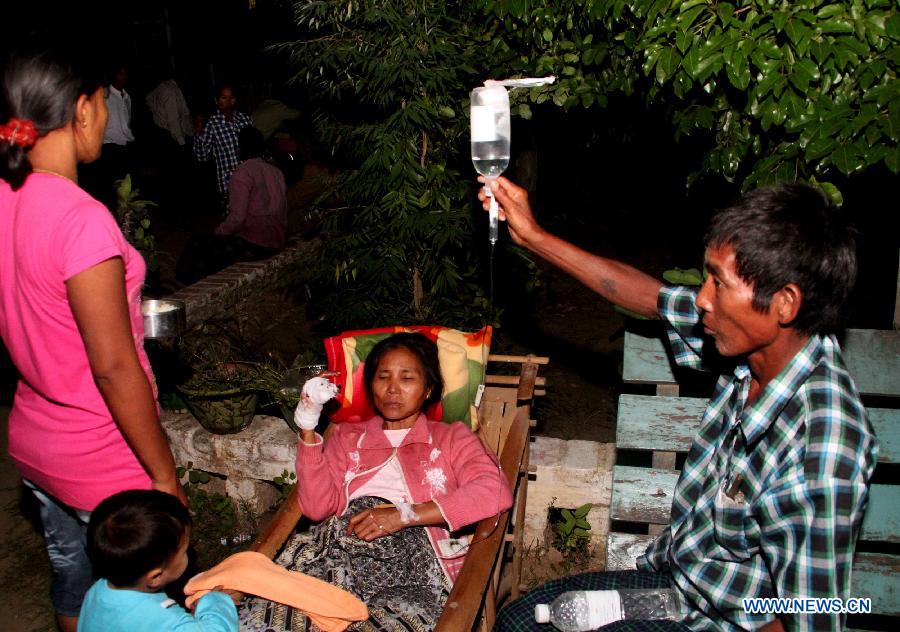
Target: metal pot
[163,318]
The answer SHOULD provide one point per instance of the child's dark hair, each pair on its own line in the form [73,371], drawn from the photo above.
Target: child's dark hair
[40,87]
[792,234]
[133,532]
[421,347]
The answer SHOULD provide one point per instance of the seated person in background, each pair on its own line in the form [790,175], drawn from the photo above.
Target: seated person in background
[256,226]
[257,202]
[137,542]
[771,497]
[392,490]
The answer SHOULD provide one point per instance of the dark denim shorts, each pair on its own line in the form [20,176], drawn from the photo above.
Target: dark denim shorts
[65,535]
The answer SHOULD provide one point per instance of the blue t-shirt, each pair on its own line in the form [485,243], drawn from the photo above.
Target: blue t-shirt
[107,609]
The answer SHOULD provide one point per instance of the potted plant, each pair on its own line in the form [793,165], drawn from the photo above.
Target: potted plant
[222,396]
[221,384]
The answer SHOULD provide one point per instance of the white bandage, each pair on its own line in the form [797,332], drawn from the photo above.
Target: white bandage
[407,513]
[313,396]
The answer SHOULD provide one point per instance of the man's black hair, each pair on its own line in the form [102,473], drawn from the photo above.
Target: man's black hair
[250,143]
[791,234]
[133,532]
[421,347]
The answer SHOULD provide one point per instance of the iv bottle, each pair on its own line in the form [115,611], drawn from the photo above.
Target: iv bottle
[582,610]
[490,130]
[490,141]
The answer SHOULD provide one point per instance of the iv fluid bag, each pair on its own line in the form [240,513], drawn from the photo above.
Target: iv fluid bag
[490,130]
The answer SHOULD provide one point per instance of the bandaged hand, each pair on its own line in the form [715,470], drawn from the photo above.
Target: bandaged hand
[314,394]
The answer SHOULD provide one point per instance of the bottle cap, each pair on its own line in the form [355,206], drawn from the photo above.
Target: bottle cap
[542,613]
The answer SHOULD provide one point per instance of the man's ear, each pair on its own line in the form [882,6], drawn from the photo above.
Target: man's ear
[787,302]
[153,579]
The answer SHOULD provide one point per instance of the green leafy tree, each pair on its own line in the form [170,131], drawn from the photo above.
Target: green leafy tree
[778,91]
[389,81]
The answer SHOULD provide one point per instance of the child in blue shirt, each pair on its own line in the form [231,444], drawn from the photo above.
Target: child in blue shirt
[137,542]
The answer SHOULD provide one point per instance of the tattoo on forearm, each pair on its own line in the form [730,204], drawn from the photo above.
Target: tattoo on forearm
[609,286]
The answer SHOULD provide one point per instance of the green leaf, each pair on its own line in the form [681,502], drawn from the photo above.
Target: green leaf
[846,159]
[547,35]
[668,62]
[802,73]
[836,26]
[583,510]
[834,194]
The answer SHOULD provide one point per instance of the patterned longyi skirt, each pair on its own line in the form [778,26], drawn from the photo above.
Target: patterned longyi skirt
[397,576]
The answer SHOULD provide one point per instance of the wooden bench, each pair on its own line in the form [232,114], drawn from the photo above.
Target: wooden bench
[664,425]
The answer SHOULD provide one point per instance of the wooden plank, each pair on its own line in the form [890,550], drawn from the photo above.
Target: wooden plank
[897,302]
[877,576]
[511,380]
[525,392]
[886,424]
[649,422]
[468,592]
[646,361]
[519,358]
[872,356]
[873,359]
[642,494]
[622,549]
[270,541]
[882,520]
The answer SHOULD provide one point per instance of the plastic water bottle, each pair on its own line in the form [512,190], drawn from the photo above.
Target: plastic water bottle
[582,610]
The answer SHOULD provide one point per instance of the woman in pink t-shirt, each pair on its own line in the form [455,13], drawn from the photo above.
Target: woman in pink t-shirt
[84,423]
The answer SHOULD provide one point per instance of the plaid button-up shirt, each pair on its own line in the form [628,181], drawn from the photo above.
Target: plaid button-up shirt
[802,454]
[219,138]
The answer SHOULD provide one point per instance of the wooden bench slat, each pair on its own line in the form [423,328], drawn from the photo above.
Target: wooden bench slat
[882,520]
[650,422]
[877,576]
[873,359]
[872,356]
[642,494]
[646,361]
[886,424]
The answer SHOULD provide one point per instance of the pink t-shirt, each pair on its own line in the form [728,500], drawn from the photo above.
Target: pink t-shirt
[61,433]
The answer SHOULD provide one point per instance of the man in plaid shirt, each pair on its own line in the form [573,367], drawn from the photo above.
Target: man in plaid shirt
[219,139]
[771,497]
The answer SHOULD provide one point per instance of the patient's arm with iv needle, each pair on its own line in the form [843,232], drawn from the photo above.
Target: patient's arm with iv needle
[615,281]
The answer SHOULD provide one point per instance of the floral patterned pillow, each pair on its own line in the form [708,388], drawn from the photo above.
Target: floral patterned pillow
[462,355]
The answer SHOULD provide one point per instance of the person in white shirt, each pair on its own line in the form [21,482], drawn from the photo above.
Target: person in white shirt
[170,111]
[118,102]
[117,156]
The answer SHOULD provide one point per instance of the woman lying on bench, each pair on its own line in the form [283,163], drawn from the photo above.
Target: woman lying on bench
[390,491]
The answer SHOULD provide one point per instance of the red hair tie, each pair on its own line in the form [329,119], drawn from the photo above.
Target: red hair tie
[21,132]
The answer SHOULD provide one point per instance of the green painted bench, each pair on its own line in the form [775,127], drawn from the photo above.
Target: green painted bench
[665,424]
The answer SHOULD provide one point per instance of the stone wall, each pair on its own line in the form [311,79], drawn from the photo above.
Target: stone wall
[220,291]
